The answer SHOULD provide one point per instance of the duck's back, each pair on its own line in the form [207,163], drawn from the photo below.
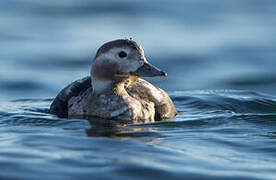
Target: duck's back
[59,106]
[140,90]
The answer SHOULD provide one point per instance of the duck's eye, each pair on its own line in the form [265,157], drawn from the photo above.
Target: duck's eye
[122,54]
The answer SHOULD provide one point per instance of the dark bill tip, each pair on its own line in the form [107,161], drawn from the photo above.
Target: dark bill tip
[163,73]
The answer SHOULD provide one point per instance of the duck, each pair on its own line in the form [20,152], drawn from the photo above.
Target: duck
[115,88]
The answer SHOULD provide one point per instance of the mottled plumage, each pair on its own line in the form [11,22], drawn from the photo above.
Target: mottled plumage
[105,93]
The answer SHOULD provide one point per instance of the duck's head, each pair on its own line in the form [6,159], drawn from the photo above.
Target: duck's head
[120,60]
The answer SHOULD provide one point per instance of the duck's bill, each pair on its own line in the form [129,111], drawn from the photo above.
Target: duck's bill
[148,70]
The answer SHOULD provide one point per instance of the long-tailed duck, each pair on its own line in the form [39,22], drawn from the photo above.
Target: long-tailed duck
[114,89]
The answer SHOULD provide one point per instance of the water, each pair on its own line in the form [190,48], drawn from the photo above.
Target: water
[220,59]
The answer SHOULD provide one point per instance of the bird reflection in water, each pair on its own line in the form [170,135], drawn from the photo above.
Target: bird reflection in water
[118,129]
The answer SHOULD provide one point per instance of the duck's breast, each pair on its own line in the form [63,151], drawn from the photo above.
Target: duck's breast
[164,107]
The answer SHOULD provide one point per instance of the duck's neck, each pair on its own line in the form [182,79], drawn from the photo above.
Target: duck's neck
[108,87]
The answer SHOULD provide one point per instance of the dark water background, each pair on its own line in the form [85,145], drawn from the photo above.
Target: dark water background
[220,57]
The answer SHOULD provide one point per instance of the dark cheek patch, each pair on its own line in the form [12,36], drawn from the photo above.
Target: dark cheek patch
[105,70]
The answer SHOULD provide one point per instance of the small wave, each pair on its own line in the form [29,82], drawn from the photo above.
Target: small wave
[227,100]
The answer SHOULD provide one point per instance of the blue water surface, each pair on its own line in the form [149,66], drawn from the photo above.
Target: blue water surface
[220,59]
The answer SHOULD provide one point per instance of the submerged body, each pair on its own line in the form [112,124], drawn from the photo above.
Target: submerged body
[111,92]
